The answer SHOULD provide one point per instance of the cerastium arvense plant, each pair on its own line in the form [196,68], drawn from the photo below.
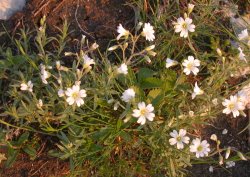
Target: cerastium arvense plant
[122,112]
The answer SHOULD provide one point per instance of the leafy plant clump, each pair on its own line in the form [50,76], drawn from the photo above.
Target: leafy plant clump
[133,109]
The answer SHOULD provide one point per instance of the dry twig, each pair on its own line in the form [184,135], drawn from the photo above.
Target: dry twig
[86,33]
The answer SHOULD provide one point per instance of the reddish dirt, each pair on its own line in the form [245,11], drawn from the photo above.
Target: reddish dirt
[97,19]
[43,166]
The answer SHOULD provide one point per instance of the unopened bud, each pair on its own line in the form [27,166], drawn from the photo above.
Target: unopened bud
[214,137]
[116,105]
[58,64]
[113,48]
[94,46]
[151,53]
[242,157]
[185,15]
[125,45]
[150,48]
[228,152]
[190,8]
[221,160]
[219,52]
[138,27]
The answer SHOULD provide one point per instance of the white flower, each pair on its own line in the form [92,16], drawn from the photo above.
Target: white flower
[234,105]
[184,26]
[87,62]
[215,101]
[170,63]
[40,104]
[230,164]
[122,32]
[75,95]
[243,96]
[241,55]
[191,65]
[211,169]
[60,93]
[224,131]
[179,138]
[243,35]
[148,32]
[201,148]
[123,69]
[128,95]
[44,74]
[144,112]
[190,8]
[28,86]
[197,91]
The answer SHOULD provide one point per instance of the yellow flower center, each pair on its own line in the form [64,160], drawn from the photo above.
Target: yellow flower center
[189,65]
[231,106]
[143,111]
[178,138]
[75,95]
[199,148]
[184,26]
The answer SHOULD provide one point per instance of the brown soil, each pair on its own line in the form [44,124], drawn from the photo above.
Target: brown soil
[43,166]
[97,19]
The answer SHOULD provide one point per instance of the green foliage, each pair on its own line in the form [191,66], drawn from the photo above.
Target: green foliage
[102,135]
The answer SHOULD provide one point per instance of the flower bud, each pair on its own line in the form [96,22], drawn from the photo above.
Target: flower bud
[242,157]
[214,137]
[150,48]
[125,45]
[58,64]
[152,53]
[39,104]
[219,52]
[228,152]
[116,105]
[224,131]
[211,169]
[113,48]
[59,80]
[215,101]
[94,46]
[190,8]
[221,160]
[185,15]
[138,27]
[191,113]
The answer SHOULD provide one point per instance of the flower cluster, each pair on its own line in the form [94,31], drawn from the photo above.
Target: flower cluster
[200,148]
[28,86]
[185,25]
[237,103]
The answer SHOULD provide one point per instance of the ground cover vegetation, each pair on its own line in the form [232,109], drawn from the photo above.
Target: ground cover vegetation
[134,108]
